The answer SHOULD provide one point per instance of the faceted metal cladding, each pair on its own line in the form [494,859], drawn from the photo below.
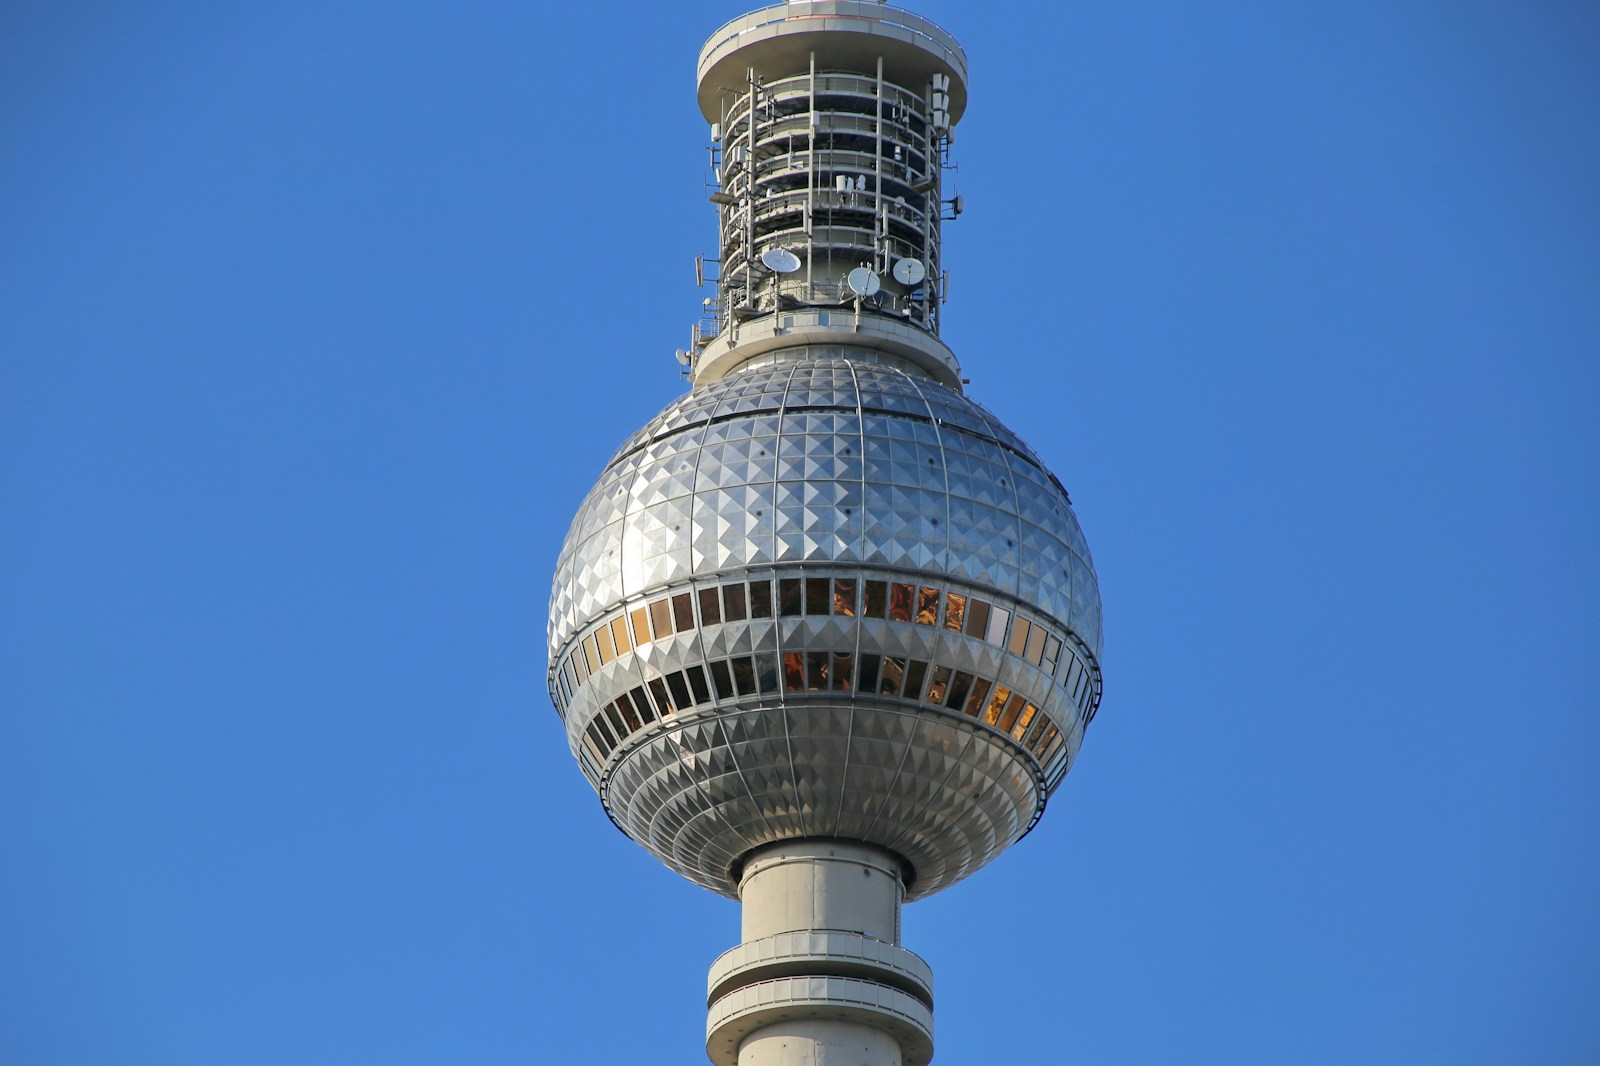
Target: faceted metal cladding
[823,462]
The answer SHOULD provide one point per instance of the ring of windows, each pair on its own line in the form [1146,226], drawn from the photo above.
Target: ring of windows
[788,597]
[794,672]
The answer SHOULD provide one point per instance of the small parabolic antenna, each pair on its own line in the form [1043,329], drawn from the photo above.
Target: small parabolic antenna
[862,281]
[910,272]
[780,260]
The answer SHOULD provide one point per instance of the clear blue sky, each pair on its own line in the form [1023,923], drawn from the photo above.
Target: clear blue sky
[318,319]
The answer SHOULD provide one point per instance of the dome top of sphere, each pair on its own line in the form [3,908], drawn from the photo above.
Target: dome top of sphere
[992,510]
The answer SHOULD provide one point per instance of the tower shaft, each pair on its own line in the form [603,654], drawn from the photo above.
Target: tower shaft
[820,978]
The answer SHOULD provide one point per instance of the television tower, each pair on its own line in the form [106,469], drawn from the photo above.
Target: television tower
[825,634]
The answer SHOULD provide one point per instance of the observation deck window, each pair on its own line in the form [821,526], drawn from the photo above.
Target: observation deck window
[928,607]
[817,595]
[661,619]
[916,672]
[683,611]
[817,671]
[991,714]
[955,609]
[733,601]
[868,681]
[843,667]
[697,684]
[877,600]
[722,679]
[794,671]
[1019,637]
[894,670]
[790,600]
[710,607]
[679,690]
[960,685]
[744,677]
[761,599]
[900,597]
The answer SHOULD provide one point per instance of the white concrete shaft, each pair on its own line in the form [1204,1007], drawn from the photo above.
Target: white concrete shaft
[807,885]
[821,884]
[819,1042]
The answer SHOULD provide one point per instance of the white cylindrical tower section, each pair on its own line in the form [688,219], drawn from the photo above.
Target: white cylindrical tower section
[816,885]
[820,979]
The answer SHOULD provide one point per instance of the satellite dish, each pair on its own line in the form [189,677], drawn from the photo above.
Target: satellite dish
[910,272]
[862,281]
[780,260]
[682,357]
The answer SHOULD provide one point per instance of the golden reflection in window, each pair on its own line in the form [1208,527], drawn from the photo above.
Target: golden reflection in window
[927,607]
[1008,717]
[594,749]
[939,686]
[1050,743]
[955,611]
[591,656]
[977,617]
[1023,722]
[900,597]
[641,625]
[1036,645]
[916,671]
[1019,636]
[894,671]
[619,634]
[877,597]
[1040,722]
[602,637]
[991,714]
[794,671]
[998,617]
[844,596]
[710,610]
[980,696]
[817,595]
[661,619]
[843,662]
[683,612]
[733,601]
[761,599]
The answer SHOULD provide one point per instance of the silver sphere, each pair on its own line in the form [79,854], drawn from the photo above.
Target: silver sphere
[825,597]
